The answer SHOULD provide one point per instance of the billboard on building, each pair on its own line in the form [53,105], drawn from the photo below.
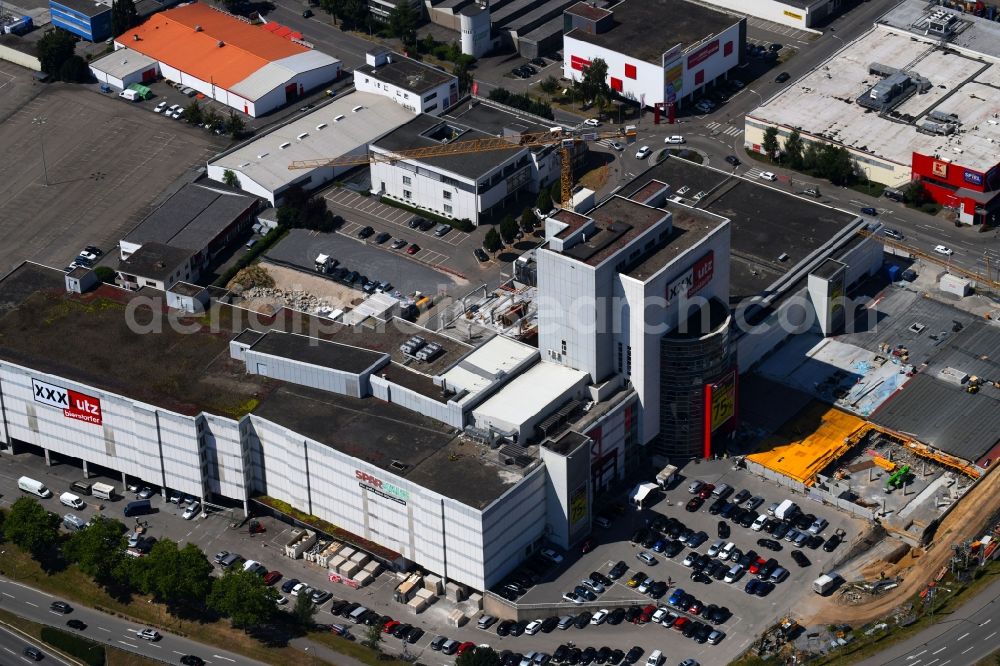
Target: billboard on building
[723,405]
[694,279]
[578,506]
[74,405]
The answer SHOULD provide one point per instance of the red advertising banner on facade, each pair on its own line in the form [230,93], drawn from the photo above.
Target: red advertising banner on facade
[578,63]
[74,405]
[703,54]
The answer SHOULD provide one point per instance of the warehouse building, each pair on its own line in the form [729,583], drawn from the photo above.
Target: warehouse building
[228,59]
[89,20]
[123,67]
[802,14]
[199,219]
[657,51]
[315,421]
[345,126]
[915,98]
[417,87]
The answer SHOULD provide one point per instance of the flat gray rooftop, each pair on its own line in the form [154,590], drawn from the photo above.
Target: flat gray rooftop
[765,222]
[492,120]
[156,261]
[192,217]
[427,452]
[619,222]
[646,29]
[313,351]
[976,34]
[690,227]
[407,74]
[470,165]
[821,104]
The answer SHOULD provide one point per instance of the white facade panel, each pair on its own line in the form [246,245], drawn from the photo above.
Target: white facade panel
[777,11]
[434,101]
[445,412]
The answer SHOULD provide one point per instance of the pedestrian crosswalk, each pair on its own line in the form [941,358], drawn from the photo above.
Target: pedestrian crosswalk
[754,173]
[728,130]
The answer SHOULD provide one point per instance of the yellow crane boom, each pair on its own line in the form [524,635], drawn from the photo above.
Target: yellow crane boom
[558,137]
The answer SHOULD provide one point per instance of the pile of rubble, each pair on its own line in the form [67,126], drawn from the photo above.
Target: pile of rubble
[295,299]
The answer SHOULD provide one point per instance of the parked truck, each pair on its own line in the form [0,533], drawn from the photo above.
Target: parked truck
[786,510]
[667,476]
[325,263]
[826,582]
[103,491]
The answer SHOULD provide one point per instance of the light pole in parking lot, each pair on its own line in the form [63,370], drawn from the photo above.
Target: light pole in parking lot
[40,121]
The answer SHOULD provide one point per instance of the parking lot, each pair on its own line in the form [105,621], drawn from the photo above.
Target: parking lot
[749,614]
[105,162]
[439,251]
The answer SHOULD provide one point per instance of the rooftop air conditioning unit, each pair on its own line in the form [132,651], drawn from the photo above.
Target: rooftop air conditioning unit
[221,44]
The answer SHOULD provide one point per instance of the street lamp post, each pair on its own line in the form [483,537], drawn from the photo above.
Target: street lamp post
[39,121]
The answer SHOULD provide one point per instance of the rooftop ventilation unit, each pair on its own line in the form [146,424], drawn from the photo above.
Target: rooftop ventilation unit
[338,118]
[197,28]
[320,126]
[413,345]
[936,128]
[302,136]
[220,43]
[262,155]
[430,352]
[285,145]
[356,109]
[942,117]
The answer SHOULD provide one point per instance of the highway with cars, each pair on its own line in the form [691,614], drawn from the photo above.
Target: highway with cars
[35,605]
[13,644]
[963,637]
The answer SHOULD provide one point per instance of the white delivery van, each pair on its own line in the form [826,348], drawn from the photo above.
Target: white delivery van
[103,491]
[71,500]
[29,485]
[130,95]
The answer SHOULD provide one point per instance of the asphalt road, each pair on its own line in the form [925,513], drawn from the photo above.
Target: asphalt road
[12,646]
[962,638]
[33,604]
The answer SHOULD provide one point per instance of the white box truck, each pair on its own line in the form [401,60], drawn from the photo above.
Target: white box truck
[667,476]
[324,263]
[103,491]
[29,485]
[786,510]
[826,582]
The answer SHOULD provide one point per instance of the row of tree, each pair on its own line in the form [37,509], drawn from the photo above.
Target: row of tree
[816,159]
[521,101]
[506,232]
[232,124]
[178,577]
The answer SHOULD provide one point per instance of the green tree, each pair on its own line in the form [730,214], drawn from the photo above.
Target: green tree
[426,43]
[230,178]
[212,117]
[593,85]
[99,550]
[74,70]
[106,274]
[915,193]
[243,597]
[544,201]
[30,527]
[508,229]
[549,84]
[403,24]
[770,142]
[837,165]
[555,193]
[528,221]
[461,71]
[478,656]
[54,48]
[304,611]
[491,241]
[234,125]
[179,577]
[811,157]
[123,16]
[793,149]
[352,13]
[231,5]
[192,113]
[373,637]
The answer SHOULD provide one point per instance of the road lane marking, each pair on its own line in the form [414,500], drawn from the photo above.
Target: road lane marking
[8,595]
[914,656]
[129,644]
[932,662]
[986,622]
[9,650]
[181,653]
[31,604]
[940,650]
[966,650]
[990,636]
[219,656]
[962,636]
[103,629]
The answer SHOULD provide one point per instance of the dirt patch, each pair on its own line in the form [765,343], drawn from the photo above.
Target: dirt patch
[919,566]
[300,289]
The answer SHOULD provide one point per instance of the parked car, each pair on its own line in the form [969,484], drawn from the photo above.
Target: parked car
[781,78]
[365,232]
[413,249]
[800,558]
[832,543]
[382,237]
[399,243]
[289,584]
[442,230]
[646,557]
[191,511]
[479,253]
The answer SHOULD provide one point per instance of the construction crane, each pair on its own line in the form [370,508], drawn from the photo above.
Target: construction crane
[564,140]
[980,279]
